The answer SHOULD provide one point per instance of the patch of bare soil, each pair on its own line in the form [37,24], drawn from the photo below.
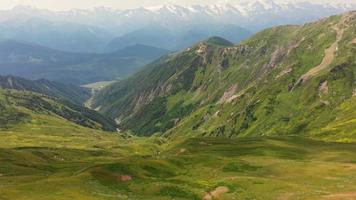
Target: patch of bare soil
[123,178]
[180,152]
[354,41]
[285,196]
[341,196]
[351,166]
[216,194]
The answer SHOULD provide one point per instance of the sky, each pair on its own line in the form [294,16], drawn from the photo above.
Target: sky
[58,5]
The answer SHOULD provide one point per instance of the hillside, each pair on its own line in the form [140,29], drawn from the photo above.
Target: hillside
[287,80]
[75,94]
[36,62]
[21,108]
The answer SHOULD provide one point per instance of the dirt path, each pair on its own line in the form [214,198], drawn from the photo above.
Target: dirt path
[329,53]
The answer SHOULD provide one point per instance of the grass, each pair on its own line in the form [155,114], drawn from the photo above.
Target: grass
[249,89]
[90,168]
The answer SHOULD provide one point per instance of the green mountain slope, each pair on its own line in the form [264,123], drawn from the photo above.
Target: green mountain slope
[37,62]
[75,94]
[21,108]
[287,80]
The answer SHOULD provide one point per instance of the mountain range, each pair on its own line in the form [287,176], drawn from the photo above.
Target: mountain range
[105,29]
[159,36]
[36,62]
[286,80]
[255,13]
[272,117]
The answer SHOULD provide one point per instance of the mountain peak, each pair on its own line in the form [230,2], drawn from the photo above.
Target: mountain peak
[219,41]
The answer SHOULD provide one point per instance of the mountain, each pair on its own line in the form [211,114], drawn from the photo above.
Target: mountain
[178,39]
[36,62]
[41,152]
[218,41]
[64,36]
[75,94]
[21,107]
[166,26]
[141,51]
[287,80]
[252,14]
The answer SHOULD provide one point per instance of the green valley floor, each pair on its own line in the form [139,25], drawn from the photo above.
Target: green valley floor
[80,163]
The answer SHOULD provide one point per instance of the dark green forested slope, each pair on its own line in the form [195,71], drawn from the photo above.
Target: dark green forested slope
[287,80]
[20,108]
[72,93]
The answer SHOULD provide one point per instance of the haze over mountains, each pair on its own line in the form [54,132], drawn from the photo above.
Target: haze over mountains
[92,30]
[36,62]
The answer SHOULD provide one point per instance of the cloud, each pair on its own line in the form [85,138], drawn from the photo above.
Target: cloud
[120,4]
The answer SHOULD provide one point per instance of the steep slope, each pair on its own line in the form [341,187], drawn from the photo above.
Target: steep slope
[248,89]
[20,108]
[36,62]
[75,94]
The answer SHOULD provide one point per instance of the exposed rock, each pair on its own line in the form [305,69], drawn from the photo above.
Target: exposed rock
[294,45]
[323,88]
[284,72]
[228,94]
[276,56]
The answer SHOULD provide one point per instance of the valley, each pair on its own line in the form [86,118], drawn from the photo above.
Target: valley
[272,117]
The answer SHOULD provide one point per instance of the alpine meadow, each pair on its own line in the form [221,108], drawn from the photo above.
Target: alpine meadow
[238,100]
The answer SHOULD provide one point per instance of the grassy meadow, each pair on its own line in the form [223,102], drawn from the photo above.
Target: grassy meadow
[79,163]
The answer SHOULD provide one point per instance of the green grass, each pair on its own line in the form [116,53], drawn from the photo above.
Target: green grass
[260,146]
[254,168]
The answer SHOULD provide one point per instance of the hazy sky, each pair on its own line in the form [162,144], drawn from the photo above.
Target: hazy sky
[120,4]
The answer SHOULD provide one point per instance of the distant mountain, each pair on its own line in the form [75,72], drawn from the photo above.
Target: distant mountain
[181,38]
[37,62]
[141,51]
[251,14]
[75,94]
[286,80]
[18,107]
[63,36]
[180,26]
